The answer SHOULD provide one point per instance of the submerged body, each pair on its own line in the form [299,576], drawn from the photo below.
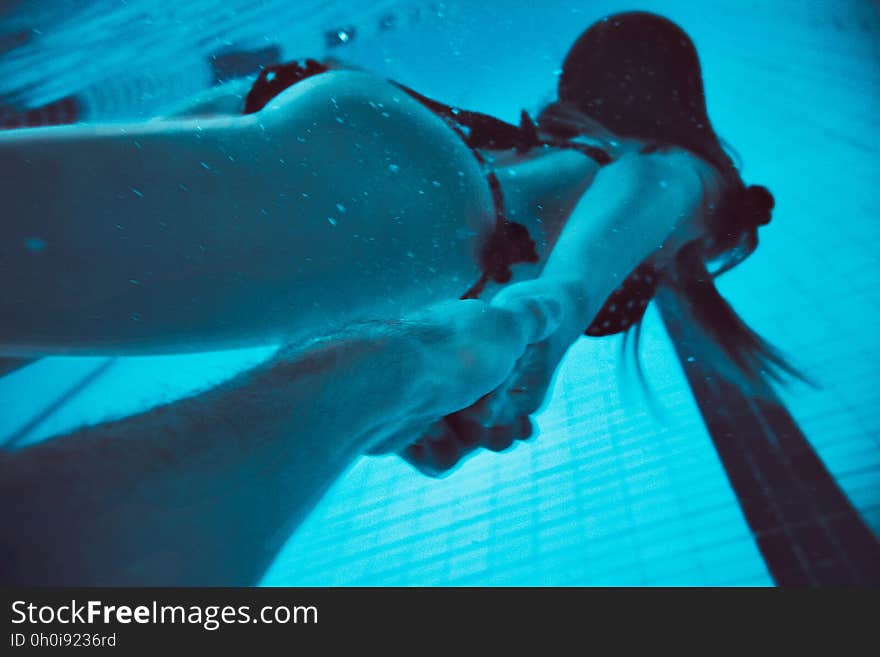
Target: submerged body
[198,233]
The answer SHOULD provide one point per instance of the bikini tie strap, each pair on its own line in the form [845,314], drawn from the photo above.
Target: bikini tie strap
[272,80]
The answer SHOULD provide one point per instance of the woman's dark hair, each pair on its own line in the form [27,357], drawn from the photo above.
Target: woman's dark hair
[638,75]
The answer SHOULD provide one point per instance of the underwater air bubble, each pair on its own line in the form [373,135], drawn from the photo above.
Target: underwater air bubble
[34,244]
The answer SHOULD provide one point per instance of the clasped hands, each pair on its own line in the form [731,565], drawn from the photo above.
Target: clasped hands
[488,367]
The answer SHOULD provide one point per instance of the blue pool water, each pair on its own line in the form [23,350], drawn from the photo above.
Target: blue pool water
[614,490]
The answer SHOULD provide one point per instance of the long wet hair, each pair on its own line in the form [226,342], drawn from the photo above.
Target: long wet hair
[638,75]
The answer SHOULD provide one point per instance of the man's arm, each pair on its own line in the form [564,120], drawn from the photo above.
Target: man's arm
[201,491]
[204,491]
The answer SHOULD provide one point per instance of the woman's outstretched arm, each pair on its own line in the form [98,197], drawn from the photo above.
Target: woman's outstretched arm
[640,207]
[204,491]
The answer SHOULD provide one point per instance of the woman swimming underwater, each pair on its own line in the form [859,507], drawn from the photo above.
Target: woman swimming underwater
[335,196]
[337,199]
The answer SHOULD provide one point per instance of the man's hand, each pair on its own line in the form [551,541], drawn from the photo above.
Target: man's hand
[495,420]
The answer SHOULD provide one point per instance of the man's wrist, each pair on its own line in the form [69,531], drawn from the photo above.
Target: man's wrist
[358,378]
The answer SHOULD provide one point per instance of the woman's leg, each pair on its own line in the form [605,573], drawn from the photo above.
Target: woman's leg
[342,199]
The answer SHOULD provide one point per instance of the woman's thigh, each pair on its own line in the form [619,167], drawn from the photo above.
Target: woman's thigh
[343,199]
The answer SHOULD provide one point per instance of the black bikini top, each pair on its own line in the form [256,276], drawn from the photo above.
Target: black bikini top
[510,242]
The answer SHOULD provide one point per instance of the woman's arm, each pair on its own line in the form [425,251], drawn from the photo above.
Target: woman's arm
[640,207]
[205,490]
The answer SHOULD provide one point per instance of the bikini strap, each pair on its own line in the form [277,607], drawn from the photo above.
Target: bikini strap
[272,80]
[510,242]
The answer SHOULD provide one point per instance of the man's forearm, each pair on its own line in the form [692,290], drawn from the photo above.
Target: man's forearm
[204,490]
